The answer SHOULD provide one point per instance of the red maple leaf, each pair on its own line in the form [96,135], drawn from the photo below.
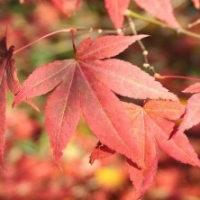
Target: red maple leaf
[192,115]
[86,83]
[8,78]
[162,9]
[116,10]
[154,123]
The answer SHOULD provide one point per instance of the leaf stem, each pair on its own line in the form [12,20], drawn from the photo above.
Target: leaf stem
[158,76]
[131,13]
[99,31]
[194,23]
[45,36]
[73,41]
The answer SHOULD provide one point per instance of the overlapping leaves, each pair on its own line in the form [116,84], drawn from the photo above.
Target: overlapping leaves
[89,82]
[162,9]
[86,83]
[154,123]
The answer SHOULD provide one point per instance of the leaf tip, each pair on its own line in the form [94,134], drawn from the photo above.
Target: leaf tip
[91,160]
[32,104]
[16,100]
[60,167]
[57,158]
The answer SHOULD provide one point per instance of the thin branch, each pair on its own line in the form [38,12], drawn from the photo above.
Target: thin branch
[41,38]
[147,19]
[99,31]
[189,33]
[194,23]
[144,50]
[162,24]
[158,76]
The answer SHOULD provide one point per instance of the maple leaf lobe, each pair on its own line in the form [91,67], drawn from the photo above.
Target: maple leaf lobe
[104,47]
[161,9]
[44,79]
[195,88]
[116,10]
[192,114]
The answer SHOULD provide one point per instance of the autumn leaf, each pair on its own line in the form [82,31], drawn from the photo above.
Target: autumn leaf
[192,115]
[122,77]
[154,123]
[162,9]
[128,80]
[88,83]
[8,78]
[178,146]
[140,178]
[116,10]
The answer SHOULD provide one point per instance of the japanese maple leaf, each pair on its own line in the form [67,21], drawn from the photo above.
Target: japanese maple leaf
[162,9]
[154,123]
[192,115]
[116,10]
[87,83]
[67,7]
[8,78]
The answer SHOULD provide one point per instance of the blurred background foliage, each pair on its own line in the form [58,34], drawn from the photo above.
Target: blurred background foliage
[31,171]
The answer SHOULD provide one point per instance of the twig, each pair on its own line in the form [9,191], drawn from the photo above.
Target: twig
[162,24]
[194,23]
[144,50]
[99,31]
[41,38]
[158,76]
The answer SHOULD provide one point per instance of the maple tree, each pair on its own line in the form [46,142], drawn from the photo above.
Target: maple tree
[94,82]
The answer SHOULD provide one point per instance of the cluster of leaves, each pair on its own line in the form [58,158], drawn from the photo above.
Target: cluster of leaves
[90,82]
[163,10]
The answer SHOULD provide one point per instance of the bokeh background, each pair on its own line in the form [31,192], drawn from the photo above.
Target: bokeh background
[31,172]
